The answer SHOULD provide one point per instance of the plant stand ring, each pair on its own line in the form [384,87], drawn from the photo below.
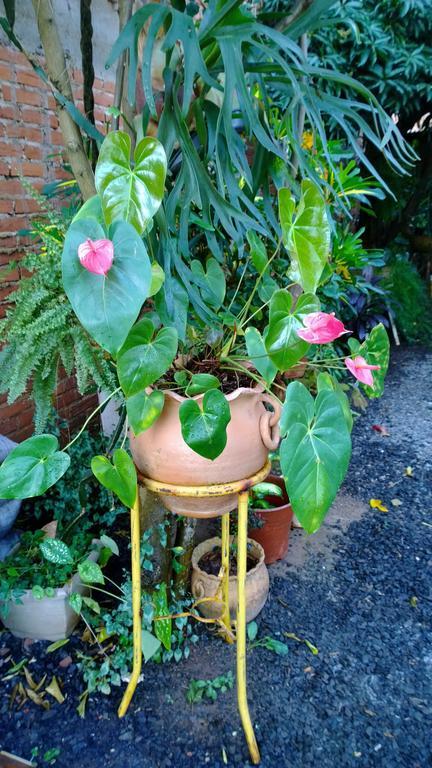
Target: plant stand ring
[240,487]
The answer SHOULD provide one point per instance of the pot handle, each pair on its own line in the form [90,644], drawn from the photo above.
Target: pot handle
[269,423]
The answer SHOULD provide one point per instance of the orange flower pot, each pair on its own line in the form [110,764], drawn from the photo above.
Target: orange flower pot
[274,534]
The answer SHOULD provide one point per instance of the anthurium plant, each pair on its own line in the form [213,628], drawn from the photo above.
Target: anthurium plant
[199,260]
[113,284]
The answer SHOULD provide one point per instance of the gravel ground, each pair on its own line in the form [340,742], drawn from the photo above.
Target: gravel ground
[364,700]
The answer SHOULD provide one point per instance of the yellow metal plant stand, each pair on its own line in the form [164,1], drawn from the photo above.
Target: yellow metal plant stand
[240,487]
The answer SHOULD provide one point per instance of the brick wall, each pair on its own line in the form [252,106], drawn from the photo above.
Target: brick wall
[31,147]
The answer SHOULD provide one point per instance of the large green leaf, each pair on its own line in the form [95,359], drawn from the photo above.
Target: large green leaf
[56,551]
[91,209]
[144,357]
[130,193]
[213,278]
[143,409]
[205,430]
[305,234]
[258,355]
[107,305]
[376,351]
[325,381]
[200,383]
[314,453]
[162,627]
[32,467]
[284,346]
[119,477]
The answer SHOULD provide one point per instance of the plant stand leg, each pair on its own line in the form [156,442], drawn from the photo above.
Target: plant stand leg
[243,498]
[225,577]
[136,608]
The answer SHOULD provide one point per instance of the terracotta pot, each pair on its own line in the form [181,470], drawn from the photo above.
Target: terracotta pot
[206,585]
[51,618]
[161,453]
[297,371]
[274,534]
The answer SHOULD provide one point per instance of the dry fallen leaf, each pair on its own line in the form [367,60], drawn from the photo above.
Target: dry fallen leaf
[396,502]
[409,472]
[383,431]
[377,504]
[37,698]
[54,689]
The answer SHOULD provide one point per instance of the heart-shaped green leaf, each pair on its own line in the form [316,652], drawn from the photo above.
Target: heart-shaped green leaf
[107,305]
[119,477]
[201,382]
[314,453]
[258,252]
[325,381]
[158,277]
[90,572]
[145,357]
[213,291]
[258,355]
[282,343]
[143,409]
[171,304]
[56,551]
[376,351]
[305,234]
[162,627]
[131,194]
[32,467]
[91,209]
[150,644]
[205,430]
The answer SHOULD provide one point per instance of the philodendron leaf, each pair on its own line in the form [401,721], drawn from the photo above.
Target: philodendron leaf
[107,305]
[314,453]
[119,477]
[305,234]
[205,430]
[201,382]
[283,345]
[130,193]
[162,627]
[90,572]
[144,357]
[143,409]
[91,209]
[32,467]
[56,551]
[376,351]
[258,355]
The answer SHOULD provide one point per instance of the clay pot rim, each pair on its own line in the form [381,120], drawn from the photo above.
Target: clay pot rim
[256,389]
[216,541]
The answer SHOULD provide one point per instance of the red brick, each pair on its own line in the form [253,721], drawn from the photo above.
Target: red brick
[32,152]
[6,92]
[33,116]
[25,96]
[57,138]
[9,54]
[6,73]
[9,149]
[28,77]
[6,206]
[104,99]
[27,205]
[33,134]
[36,170]
[7,112]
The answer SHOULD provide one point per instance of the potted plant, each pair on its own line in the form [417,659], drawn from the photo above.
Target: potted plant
[270,517]
[206,581]
[38,579]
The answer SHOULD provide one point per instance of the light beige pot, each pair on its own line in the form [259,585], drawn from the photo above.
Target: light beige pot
[51,618]
[206,585]
[161,453]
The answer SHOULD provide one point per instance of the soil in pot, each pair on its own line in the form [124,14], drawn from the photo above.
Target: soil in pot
[211,562]
[274,534]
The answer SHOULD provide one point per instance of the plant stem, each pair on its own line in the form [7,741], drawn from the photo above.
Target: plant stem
[88,420]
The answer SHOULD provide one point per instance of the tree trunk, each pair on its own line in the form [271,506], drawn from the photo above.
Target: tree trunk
[86,44]
[58,74]
[186,539]
[152,514]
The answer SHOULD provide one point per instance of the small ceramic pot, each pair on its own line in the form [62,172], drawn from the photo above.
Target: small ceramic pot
[206,585]
[274,534]
[161,454]
[51,618]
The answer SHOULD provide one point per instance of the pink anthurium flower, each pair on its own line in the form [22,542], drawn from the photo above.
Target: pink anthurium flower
[321,328]
[361,370]
[96,255]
